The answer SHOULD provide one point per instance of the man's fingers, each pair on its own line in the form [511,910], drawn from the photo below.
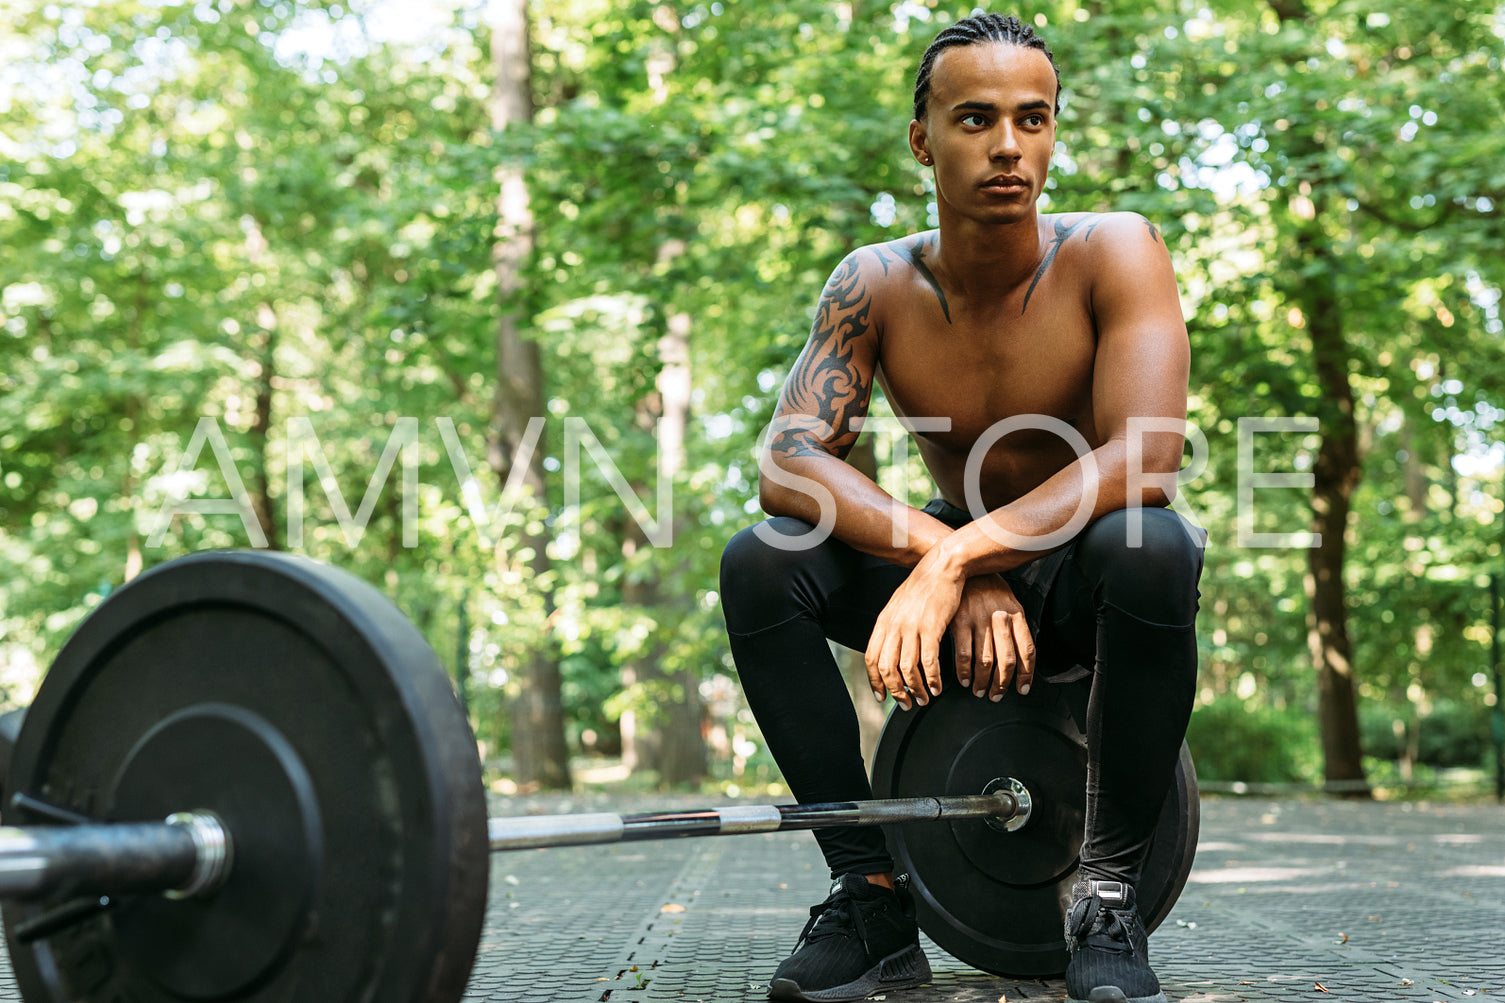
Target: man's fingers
[966,641]
[892,668]
[984,660]
[1003,646]
[883,661]
[874,677]
[930,665]
[893,682]
[964,658]
[910,670]
[1026,646]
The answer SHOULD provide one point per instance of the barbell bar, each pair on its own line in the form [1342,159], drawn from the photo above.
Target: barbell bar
[1009,806]
[337,843]
[190,853]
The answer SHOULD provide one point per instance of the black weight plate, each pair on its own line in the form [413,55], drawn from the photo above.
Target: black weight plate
[298,704]
[993,899]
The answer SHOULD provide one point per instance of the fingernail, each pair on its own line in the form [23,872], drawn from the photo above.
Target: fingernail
[979,693]
[878,695]
[1024,689]
[996,697]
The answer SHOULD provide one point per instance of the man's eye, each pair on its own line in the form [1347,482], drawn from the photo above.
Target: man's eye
[973,120]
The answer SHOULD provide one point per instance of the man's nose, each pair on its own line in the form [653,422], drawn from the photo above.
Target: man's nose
[1005,142]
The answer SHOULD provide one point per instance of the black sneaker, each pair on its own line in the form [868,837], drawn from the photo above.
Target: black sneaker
[1110,956]
[861,940]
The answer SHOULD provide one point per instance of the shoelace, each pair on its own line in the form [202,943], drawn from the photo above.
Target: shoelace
[838,914]
[1085,911]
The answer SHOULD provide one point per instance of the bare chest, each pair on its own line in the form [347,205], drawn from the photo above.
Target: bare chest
[977,371]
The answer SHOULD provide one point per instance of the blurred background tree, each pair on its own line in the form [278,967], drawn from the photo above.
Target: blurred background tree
[277,229]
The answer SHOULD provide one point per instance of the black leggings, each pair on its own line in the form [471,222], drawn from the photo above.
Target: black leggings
[1127,612]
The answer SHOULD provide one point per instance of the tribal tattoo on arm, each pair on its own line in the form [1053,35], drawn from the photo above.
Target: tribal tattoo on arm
[827,389]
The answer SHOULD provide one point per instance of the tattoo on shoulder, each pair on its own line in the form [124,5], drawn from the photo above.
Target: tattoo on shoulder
[1063,233]
[917,258]
[1154,233]
[825,387]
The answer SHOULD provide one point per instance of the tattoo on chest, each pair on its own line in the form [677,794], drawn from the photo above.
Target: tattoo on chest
[917,258]
[1063,233]
[825,383]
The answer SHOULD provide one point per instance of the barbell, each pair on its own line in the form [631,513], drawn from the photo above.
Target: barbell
[247,777]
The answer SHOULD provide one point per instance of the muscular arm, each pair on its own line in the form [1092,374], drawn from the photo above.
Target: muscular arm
[1141,371]
[802,472]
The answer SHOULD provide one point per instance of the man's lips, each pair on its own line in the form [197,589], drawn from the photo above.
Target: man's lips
[1005,181]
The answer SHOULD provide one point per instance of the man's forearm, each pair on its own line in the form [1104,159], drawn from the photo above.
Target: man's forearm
[864,516]
[1042,520]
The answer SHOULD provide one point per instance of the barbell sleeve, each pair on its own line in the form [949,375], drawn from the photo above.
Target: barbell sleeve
[531,831]
[187,855]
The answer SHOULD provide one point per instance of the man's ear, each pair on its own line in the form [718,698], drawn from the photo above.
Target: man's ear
[919,143]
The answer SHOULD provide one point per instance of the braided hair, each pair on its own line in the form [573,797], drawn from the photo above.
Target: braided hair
[969,31]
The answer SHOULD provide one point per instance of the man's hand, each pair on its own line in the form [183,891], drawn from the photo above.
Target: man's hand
[903,654]
[993,642]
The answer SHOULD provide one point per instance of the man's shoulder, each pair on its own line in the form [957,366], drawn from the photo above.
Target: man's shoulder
[1125,229]
[884,256]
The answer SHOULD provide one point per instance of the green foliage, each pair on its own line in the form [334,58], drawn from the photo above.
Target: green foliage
[1231,739]
[1453,733]
[255,213]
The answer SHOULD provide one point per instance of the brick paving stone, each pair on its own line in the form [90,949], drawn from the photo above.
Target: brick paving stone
[1288,900]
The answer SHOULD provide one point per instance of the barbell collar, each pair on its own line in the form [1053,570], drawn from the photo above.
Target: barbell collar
[212,849]
[533,831]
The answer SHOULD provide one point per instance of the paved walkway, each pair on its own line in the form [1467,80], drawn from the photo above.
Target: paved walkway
[1289,900]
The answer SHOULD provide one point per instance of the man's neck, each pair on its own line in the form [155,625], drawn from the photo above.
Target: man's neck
[986,259]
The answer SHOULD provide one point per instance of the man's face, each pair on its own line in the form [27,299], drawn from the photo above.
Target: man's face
[989,128]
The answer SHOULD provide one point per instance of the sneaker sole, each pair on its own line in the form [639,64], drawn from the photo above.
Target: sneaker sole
[1112,994]
[900,970]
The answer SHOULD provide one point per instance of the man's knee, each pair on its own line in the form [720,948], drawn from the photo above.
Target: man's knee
[757,574]
[1149,570]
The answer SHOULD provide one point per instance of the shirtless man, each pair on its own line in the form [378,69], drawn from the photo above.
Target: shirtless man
[1052,553]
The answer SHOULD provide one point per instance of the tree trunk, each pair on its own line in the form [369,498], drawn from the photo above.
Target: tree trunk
[1337,472]
[670,738]
[261,429]
[134,559]
[1414,473]
[1337,469]
[538,745]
